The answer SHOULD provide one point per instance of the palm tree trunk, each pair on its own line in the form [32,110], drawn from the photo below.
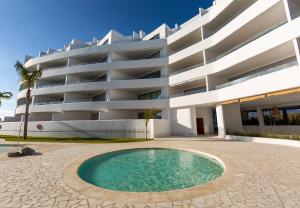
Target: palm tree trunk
[26,113]
[146,130]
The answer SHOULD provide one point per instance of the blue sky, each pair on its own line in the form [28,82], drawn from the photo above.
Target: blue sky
[26,27]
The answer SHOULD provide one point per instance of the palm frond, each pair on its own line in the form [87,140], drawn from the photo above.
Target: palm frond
[5,95]
[22,71]
[28,77]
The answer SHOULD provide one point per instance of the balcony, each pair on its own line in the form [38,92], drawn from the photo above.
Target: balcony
[231,12]
[188,88]
[49,99]
[189,92]
[188,40]
[55,64]
[136,55]
[88,59]
[186,69]
[87,77]
[245,42]
[50,82]
[260,72]
[88,96]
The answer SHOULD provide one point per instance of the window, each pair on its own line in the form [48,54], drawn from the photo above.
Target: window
[152,75]
[249,117]
[150,95]
[282,115]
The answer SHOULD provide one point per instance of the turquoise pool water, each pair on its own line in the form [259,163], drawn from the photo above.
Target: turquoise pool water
[149,170]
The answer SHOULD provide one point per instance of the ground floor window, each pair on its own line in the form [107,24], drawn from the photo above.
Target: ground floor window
[282,115]
[249,117]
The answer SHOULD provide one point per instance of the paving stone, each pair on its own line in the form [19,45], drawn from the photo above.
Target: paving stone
[268,176]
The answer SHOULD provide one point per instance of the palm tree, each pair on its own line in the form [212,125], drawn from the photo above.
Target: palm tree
[28,78]
[5,95]
[149,114]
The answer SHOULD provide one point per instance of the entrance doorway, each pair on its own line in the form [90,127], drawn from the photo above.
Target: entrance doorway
[200,126]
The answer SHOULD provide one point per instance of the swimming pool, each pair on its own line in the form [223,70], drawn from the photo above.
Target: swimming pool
[149,170]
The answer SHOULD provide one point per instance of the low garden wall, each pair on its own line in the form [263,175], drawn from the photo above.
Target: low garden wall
[89,128]
[286,142]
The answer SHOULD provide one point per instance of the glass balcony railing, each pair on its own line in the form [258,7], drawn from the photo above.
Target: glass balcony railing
[54,68]
[189,92]
[48,103]
[171,52]
[258,35]
[49,85]
[261,72]
[86,81]
[79,101]
[185,69]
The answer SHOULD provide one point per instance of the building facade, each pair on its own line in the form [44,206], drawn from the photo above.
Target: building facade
[232,68]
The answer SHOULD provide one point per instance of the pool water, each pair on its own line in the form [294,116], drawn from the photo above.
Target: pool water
[149,170]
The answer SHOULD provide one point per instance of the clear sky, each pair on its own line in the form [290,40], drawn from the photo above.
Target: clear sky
[28,26]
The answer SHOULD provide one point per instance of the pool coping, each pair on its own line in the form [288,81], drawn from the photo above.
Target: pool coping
[73,181]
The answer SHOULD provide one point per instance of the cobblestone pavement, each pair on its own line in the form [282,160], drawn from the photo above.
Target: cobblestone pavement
[268,176]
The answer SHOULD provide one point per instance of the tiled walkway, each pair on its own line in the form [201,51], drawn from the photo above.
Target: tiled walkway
[267,176]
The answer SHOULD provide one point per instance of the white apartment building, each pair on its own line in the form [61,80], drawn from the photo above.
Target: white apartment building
[232,68]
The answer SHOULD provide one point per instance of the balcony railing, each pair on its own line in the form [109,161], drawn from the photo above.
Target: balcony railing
[260,72]
[186,69]
[49,85]
[48,103]
[79,101]
[54,68]
[136,99]
[258,35]
[187,93]
[86,81]
[241,10]
[171,52]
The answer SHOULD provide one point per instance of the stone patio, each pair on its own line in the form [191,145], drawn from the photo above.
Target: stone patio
[266,176]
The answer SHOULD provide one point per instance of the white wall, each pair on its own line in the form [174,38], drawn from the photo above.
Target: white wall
[160,128]
[85,129]
[183,122]
[232,117]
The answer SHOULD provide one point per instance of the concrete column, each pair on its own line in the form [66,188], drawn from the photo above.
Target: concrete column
[296,45]
[260,119]
[221,121]
[164,72]
[193,120]
[287,10]
[164,92]
[288,15]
